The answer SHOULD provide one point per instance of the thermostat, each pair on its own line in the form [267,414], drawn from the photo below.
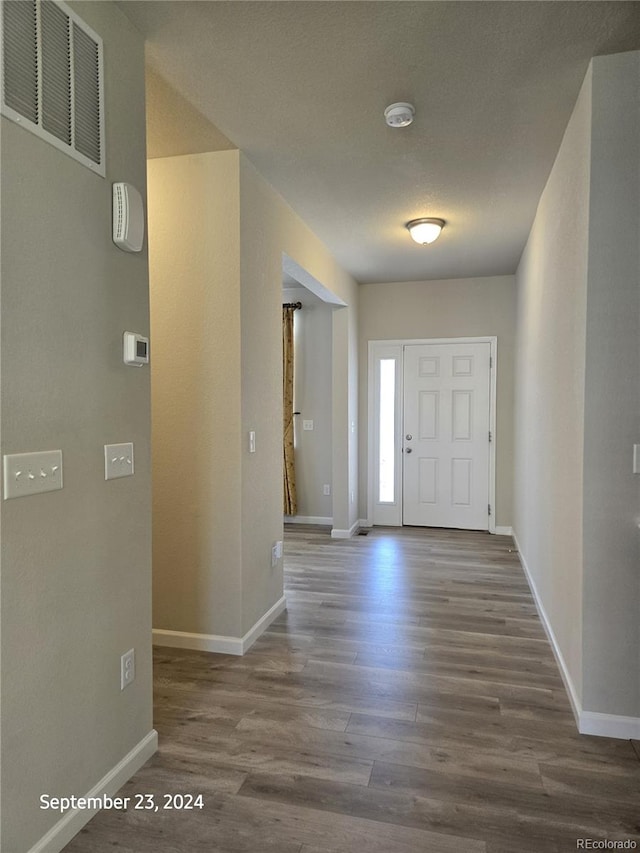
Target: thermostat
[136,349]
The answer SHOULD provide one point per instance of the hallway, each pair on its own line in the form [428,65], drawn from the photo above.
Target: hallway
[406,701]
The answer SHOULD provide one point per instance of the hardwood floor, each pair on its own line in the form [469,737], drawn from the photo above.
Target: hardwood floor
[406,701]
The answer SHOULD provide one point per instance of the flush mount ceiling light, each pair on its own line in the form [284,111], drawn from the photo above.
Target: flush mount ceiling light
[399,115]
[425,231]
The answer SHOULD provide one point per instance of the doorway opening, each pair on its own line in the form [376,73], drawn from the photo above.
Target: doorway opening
[312,394]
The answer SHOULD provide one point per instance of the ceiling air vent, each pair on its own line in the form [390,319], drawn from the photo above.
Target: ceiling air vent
[52,78]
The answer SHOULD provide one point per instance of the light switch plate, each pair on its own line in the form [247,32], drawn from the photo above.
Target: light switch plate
[118,460]
[32,473]
[276,553]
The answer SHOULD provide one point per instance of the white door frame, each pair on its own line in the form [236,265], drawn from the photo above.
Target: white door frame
[395,349]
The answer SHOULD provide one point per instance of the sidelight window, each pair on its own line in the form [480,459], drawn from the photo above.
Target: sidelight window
[387,442]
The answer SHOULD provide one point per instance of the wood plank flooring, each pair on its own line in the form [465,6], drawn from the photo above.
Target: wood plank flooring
[406,701]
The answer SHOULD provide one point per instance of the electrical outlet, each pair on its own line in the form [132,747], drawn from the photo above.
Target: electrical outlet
[326,489]
[308,425]
[127,668]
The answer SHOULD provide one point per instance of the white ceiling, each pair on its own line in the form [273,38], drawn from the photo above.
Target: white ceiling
[301,87]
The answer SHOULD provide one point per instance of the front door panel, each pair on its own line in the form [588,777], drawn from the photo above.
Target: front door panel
[446,435]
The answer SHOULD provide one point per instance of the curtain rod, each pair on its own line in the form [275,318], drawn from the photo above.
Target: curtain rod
[294,305]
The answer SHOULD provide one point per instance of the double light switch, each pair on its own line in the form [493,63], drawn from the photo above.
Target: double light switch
[118,460]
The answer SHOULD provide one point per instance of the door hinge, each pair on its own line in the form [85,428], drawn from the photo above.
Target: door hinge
[490,361]
[489,509]
[490,437]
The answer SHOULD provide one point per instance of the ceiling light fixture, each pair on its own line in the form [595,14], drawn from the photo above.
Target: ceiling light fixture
[425,231]
[399,115]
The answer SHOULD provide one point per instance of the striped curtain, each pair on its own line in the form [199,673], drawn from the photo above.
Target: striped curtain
[290,500]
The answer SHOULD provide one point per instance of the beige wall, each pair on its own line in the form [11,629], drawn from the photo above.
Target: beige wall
[552,292]
[218,232]
[446,309]
[269,228]
[612,394]
[174,126]
[194,267]
[76,564]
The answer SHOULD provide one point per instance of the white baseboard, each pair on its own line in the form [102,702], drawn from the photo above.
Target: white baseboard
[576,706]
[367,525]
[197,642]
[588,722]
[216,642]
[609,725]
[325,521]
[337,533]
[73,820]
[263,623]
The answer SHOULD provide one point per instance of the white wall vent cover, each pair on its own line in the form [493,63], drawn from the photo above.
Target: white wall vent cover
[52,77]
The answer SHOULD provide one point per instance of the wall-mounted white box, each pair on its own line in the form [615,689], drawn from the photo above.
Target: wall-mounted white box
[118,460]
[32,473]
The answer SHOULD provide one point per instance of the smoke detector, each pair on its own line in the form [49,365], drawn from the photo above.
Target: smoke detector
[399,115]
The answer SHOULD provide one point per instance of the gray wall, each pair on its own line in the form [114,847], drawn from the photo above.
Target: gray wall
[612,394]
[578,396]
[552,292]
[76,564]
[446,309]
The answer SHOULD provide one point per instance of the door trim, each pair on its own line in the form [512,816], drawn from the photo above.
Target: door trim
[395,349]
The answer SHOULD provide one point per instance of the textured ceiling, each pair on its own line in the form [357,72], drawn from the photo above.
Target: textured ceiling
[301,87]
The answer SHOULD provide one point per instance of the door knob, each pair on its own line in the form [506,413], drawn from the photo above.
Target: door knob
[409,436]
[407,450]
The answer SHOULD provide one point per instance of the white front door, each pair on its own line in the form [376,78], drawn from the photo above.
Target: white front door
[445,435]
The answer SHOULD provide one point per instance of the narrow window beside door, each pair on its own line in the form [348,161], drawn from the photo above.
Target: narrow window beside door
[386,460]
